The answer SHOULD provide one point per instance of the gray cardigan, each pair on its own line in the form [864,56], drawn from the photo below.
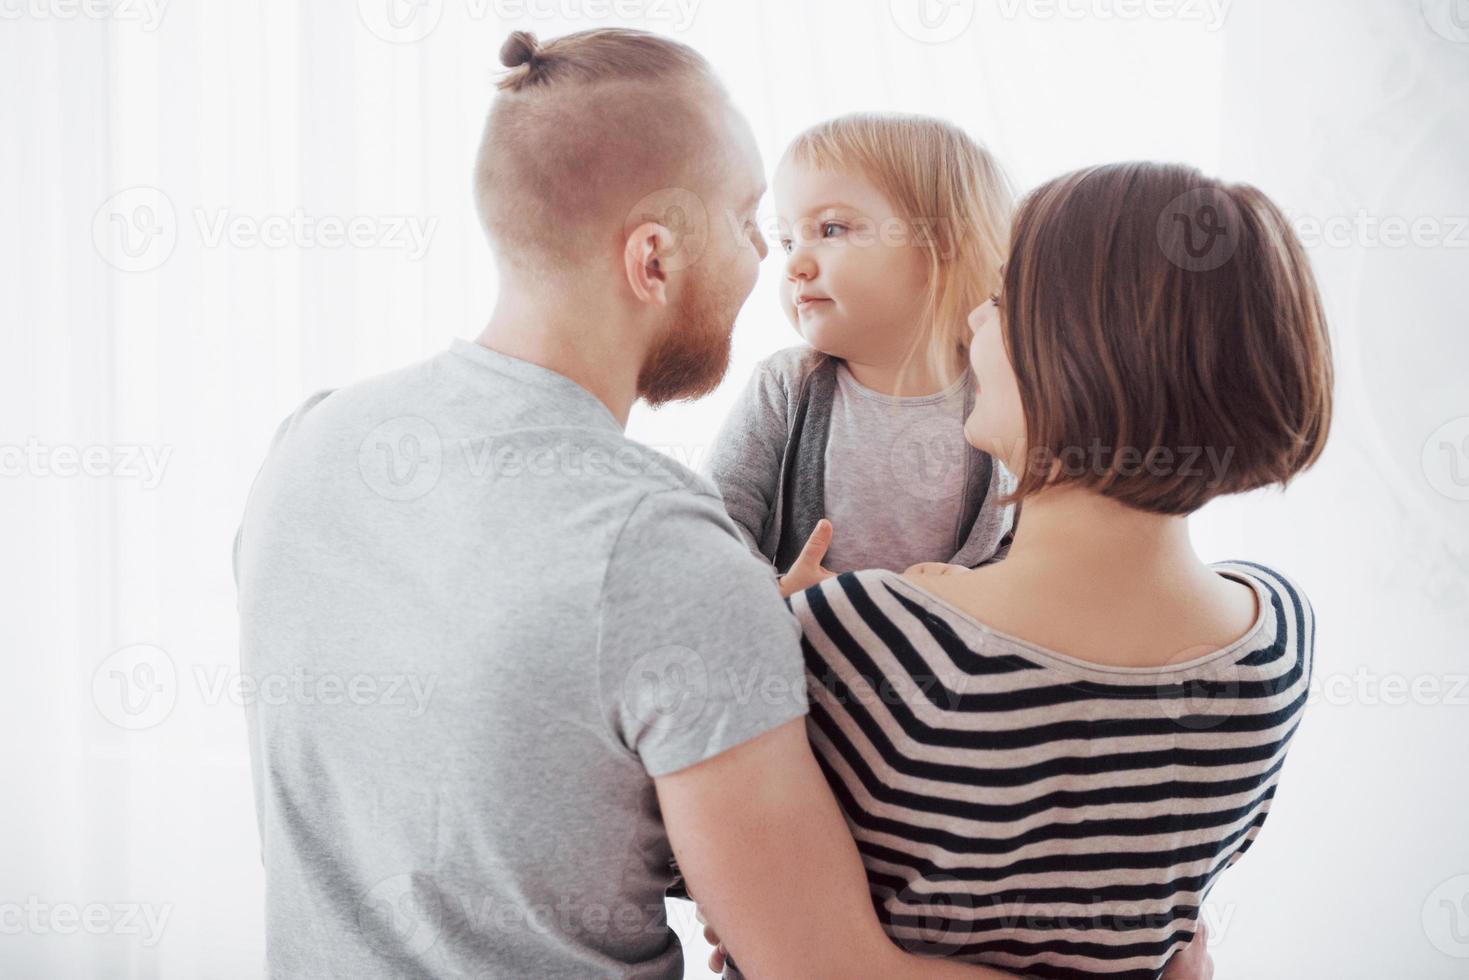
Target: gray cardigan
[769,463]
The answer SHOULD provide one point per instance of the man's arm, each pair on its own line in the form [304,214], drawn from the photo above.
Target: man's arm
[763,845]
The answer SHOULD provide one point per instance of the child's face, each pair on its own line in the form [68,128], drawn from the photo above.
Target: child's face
[855,273]
[997,423]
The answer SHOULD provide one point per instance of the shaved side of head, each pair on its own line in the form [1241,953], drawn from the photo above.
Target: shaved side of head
[583,129]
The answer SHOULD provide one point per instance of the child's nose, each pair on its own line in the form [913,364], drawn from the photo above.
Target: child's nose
[800,265]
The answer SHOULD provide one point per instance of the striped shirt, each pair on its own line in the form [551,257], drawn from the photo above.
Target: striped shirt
[1031,811]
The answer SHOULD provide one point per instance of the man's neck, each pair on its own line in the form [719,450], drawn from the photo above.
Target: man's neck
[577,344]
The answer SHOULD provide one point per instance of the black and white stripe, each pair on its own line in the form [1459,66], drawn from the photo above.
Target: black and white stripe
[1029,810]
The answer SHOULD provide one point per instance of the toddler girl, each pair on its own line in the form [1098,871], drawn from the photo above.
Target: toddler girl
[894,227]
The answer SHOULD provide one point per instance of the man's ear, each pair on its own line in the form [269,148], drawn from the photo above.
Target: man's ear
[642,260]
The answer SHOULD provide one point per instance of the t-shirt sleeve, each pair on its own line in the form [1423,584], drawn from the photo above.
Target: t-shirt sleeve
[696,651]
[280,433]
[744,462]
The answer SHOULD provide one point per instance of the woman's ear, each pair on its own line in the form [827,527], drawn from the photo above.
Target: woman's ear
[642,261]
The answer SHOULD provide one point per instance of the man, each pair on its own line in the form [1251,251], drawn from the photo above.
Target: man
[538,659]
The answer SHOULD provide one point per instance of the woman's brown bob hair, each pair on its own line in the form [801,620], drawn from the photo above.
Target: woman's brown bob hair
[1166,336]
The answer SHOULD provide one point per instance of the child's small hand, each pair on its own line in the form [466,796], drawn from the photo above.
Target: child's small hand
[934,568]
[718,955]
[807,569]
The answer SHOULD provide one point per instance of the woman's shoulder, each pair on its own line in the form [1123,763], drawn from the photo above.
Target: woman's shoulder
[837,604]
[1286,594]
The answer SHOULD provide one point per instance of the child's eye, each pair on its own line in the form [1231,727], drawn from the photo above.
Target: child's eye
[785,245]
[827,226]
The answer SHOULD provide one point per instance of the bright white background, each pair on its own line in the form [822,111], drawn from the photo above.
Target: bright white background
[129,133]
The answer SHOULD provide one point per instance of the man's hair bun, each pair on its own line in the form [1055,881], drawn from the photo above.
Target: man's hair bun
[519,48]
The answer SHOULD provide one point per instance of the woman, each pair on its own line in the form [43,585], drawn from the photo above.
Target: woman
[1047,762]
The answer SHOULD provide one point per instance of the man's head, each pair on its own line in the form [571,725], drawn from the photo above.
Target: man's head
[613,163]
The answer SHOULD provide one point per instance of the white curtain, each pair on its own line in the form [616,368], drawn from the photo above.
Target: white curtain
[210,210]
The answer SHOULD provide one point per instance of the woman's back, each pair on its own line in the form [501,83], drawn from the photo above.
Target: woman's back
[1035,811]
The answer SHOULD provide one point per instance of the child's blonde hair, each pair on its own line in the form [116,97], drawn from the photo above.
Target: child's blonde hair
[952,193]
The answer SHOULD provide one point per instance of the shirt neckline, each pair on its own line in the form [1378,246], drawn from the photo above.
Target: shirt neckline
[1069,662]
[535,375]
[846,377]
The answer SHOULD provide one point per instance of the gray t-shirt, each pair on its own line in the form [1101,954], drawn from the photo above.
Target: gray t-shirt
[906,455]
[477,620]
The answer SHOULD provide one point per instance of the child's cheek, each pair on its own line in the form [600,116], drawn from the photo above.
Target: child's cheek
[788,304]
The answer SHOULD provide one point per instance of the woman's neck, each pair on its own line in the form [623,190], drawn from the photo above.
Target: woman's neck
[1092,534]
